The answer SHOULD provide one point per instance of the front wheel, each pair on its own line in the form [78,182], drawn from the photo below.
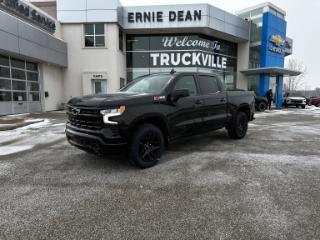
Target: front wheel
[239,126]
[262,106]
[147,146]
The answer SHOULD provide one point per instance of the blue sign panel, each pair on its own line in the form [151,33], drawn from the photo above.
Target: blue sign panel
[272,52]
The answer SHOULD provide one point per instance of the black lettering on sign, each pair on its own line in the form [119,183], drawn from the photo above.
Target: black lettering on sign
[146,16]
[138,17]
[159,16]
[172,16]
[197,15]
[180,16]
[188,16]
[130,17]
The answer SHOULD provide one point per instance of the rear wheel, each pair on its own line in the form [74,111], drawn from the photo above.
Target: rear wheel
[303,106]
[262,106]
[239,126]
[147,146]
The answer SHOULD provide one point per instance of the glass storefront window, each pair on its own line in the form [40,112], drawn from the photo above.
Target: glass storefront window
[32,66]
[253,84]
[22,84]
[5,72]
[33,87]
[32,76]
[5,84]
[18,74]
[4,61]
[16,63]
[5,96]
[19,85]
[147,54]
[34,96]
[19,96]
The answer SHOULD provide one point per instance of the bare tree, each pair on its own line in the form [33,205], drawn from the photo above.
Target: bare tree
[294,83]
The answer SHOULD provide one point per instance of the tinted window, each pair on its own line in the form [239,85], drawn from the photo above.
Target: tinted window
[187,82]
[17,63]
[208,84]
[89,29]
[4,60]
[4,72]
[99,29]
[32,76]
[32,66]
[19,96]
[19,85]
[5,96]
[148,84]
[5,84]
[18,74]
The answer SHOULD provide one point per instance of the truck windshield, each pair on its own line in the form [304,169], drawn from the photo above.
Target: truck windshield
[148,84]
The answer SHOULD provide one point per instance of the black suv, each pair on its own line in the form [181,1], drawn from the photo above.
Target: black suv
[153,110]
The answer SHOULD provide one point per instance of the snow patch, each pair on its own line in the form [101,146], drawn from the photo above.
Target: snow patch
[7,150]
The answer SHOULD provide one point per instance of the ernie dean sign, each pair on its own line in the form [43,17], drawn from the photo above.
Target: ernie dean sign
[158,16]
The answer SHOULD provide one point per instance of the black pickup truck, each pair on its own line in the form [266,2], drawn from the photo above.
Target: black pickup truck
[153,110]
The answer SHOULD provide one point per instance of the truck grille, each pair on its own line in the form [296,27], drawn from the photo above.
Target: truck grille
[85,118]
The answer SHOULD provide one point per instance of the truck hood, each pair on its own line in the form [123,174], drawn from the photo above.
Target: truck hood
[104,100]
[296,98]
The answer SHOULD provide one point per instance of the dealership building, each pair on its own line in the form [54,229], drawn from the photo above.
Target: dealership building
[53,50]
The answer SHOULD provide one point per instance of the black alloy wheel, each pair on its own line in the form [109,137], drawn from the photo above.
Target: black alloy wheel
[147,146]
[239,126]
[262,106]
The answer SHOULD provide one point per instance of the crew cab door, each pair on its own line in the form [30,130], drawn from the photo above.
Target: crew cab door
[186,116]
[214,109]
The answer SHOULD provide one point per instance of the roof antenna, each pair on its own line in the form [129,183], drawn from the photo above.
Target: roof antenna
[172,71]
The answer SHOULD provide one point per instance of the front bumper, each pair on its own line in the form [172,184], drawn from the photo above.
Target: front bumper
[94,140]
[296,104]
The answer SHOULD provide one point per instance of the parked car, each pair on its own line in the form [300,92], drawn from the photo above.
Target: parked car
[315,101]
[294,99]
[154,110]
[261,103]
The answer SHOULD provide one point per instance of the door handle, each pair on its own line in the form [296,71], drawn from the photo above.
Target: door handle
[199,101]
[222,100]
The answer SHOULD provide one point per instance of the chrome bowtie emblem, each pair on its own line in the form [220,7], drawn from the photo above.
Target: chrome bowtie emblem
[75,111]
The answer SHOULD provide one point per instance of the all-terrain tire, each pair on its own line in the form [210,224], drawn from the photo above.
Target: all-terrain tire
[238,126]
[146,147]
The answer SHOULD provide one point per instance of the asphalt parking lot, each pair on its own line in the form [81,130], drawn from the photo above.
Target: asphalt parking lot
[266,186]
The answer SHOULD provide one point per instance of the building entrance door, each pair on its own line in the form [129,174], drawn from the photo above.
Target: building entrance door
[273,86]
[99,86]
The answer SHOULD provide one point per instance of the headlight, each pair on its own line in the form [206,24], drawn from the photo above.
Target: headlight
[107,113]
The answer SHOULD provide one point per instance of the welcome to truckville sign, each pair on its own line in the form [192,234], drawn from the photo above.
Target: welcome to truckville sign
[25,11]
[183,51]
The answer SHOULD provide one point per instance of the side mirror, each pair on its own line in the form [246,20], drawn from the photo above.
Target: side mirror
[179,93]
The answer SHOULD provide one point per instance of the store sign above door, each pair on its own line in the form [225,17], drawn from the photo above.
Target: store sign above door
[183,52]
[28,13]
[158,16]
